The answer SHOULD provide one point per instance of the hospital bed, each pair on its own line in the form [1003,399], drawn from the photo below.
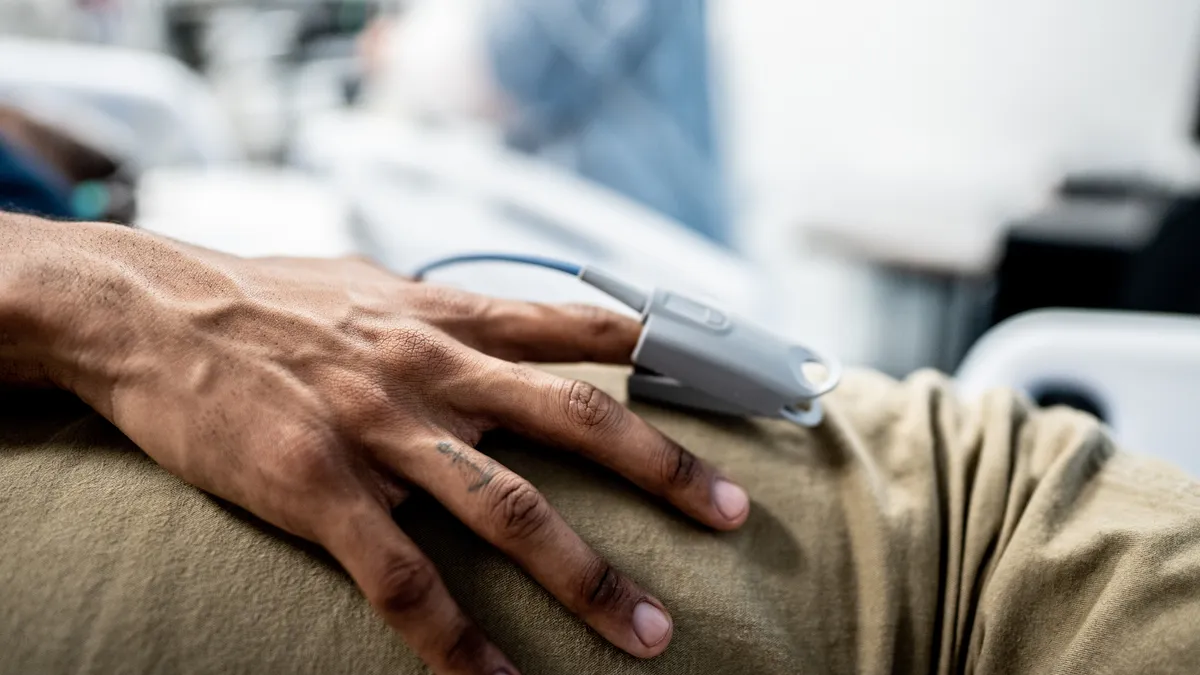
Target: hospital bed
[405,194]
[150,112]
[1138,372]
[142,106]
[401,193]
[424,192]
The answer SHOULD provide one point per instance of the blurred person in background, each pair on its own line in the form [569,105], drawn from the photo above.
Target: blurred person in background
[615,91]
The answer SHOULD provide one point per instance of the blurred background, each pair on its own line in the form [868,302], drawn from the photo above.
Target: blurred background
[885,180]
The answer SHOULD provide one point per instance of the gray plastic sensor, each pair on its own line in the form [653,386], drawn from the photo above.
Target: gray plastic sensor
[627,293]
[702,357]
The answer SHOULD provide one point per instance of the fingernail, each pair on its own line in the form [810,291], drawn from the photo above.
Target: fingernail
[731,500]
[650,624]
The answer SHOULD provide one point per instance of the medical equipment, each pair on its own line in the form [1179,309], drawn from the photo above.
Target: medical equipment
[693,355]
[1139,372]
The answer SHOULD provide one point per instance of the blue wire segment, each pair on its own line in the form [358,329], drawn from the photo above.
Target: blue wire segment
[550,263]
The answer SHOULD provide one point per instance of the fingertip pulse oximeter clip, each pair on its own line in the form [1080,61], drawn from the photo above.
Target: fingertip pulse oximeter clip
[693,355]
[696,356]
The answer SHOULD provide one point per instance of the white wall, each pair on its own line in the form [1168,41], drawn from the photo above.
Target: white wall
[963,111]
[898,85]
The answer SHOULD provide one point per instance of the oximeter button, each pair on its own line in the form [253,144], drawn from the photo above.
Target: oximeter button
[694,312]
[686,309]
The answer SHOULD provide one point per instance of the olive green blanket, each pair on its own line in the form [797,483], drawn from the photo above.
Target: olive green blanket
[910,533]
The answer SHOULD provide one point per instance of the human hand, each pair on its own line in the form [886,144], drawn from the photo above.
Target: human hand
[317,393]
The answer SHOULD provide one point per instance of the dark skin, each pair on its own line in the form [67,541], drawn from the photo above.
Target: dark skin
[317,393]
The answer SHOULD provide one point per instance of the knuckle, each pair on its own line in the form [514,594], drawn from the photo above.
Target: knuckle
[417,349]
[521,512]
[679,468]
[405,585]
[597,321]
[360,399]
[601,587]
[588,407]
[440,303]
[308,452]
[368,405]
[468,648]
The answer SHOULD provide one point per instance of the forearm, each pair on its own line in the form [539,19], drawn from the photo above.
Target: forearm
[67,293]
[34,268]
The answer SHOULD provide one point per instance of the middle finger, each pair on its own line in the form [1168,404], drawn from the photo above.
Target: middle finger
[579,416]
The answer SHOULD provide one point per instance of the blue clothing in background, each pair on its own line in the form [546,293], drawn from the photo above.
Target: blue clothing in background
[618,91]
[28,185]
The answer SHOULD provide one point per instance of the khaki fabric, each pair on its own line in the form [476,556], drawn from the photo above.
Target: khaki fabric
[910,533]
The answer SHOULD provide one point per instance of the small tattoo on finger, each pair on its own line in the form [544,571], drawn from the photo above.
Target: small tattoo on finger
[480,475]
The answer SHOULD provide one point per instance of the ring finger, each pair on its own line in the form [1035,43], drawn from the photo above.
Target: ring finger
[509,512]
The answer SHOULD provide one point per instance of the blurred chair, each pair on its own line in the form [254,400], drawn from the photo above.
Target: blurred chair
[425,192]
[1139,372]
[160,112]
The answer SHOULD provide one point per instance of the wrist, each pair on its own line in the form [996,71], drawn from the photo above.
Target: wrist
[76,299]
[44,272]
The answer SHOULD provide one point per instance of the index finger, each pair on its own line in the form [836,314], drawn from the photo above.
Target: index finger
[529,331]
[579,416]
[564,333]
